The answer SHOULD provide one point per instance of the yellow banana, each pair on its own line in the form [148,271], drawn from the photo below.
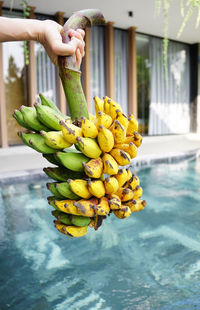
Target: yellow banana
[103,207]
[121,176]
[66,206]
[114,202]
[98,105]
[105,139]
[55,139]
[111,185]
[134,182]
[110,165]
[136,206]
[123,213]
[70,132]
[121,157]
[103,119]
[132,125]
[79,187]
[114,107]
[96,188]
[92,118]
[121,117]
[94,168]
[106,104]
[136,138]
[71,231]
[89,147]
[130,148]
[88,127]
[125,194]
[118,131]
[129,174]
[138,191]
[85,207]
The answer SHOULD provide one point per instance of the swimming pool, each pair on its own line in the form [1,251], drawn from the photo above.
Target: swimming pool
[148,261]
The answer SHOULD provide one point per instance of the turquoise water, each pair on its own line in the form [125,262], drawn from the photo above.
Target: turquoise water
[149,261]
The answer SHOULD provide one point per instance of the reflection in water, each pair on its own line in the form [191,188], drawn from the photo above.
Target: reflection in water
[148,261]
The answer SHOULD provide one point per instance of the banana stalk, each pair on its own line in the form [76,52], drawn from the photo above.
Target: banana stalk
[68,71]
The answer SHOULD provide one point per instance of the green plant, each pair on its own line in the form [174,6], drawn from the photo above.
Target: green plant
[26,14]
[187,9]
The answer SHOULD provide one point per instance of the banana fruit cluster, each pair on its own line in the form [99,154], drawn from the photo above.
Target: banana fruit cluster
[90,180]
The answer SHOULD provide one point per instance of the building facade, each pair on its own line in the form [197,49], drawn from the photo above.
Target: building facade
[122,64]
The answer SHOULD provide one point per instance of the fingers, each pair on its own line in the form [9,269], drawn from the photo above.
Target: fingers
[79,33]
[78,58]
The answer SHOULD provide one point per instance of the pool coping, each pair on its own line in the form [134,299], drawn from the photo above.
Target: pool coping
[137,163]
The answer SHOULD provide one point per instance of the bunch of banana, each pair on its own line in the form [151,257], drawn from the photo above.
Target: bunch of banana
[89,181]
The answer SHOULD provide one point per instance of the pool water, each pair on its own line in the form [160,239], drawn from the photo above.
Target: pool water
[148,261]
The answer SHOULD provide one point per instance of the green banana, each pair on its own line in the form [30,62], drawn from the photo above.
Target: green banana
[72,160]
[52,159]
[47,102]
[31,119]
[37,142]
[79,220]
[62,174]
[19,118]
[61,216]
[55,139]
[69,219]
[64,189]
[51,200]
[48,116]
[52,188]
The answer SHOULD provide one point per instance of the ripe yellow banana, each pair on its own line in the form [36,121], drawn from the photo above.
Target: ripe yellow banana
[111,185]
[70,132]
[98,105]
[79,187]
[134,182]
[130,148]
[118,131]
[121,157]
[136,205]
[66,206]
[110,165]
[114,202]
[125,194]
[136,138]
[138,191]
[71,231]
[114,107]
[96,188]
[88,128]
[123,213]
[85,207]
[122,177]
[106,104]
[121,117]
[103,207]
[132,125]
[105,139]
[103,119]
[55,139]
[88,147]
[92,118]
[94,168]
[129,174]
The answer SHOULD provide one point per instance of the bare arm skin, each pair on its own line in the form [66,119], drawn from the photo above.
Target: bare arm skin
[47,32]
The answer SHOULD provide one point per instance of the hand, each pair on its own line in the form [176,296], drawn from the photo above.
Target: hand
[50,38]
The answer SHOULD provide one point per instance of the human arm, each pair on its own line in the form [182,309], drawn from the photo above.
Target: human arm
[47,32]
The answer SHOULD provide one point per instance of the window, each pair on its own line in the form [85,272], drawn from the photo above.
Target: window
[121,68]
[97,58]
[15,78]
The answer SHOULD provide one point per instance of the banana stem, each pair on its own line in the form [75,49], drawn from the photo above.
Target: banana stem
[68,71]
